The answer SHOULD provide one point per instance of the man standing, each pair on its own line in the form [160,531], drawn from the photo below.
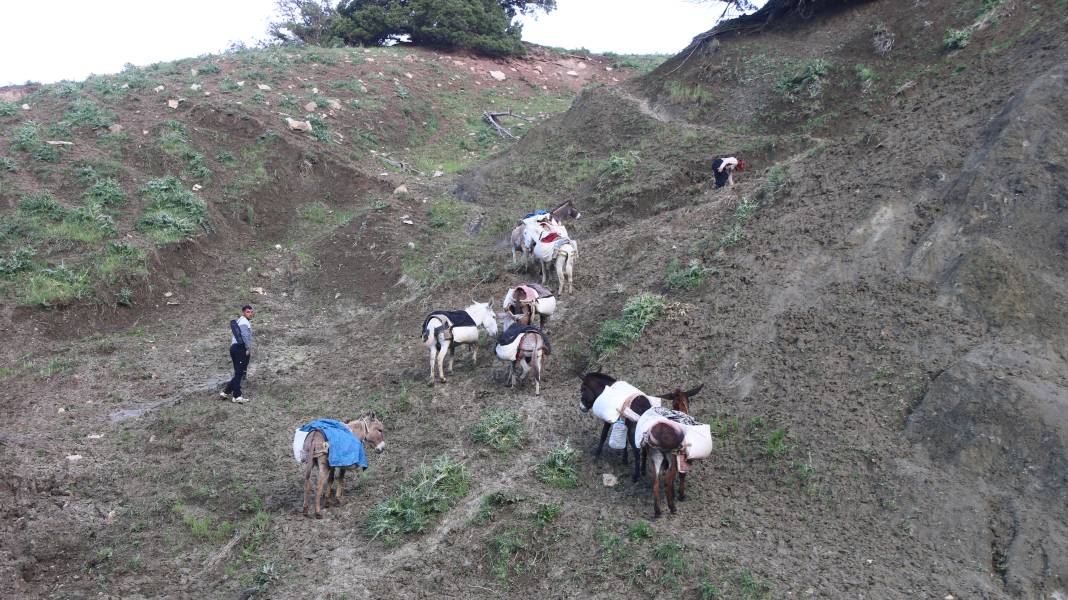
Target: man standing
[240,353]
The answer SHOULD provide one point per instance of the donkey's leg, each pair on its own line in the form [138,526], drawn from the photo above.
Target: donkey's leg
[560,260]
[474,354]
[542,271]
[307,482]
[443,349]
[673,472]
[657,459]
[329,486]
[433,359]
[570,269]
[604,436]
[543,322]
[536,367]
[682,486]
[340,484]
[452,355]
[324,467]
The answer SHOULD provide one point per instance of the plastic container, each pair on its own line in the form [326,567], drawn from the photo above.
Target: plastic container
[617,437]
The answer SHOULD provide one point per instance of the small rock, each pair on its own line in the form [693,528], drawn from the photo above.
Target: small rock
[315,90]
[499,76]
[110,518]
[197,187]
[25,107]
[158,89]
[194,87]
[296,125]
[207,93]
[173,303]
[114,128]
[240,84]
[74,457]
[337,295]
[407,222]
[458,63]
[400,190]
[168,294]
[573,73]
[411,244]
[334,104]
[409,75]
[193,72]
[609,69]
[264,87]
[61,410]
[310,107]
[173,103]
[95,436]
[582,65]
[278,246]
[437,174]
[258,290]
[609,479]
[144,132]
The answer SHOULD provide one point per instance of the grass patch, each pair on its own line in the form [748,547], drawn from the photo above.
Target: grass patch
[956,39]
[694,94]
[56,286]
[499,429]
[447,213]
[558,470]
[637,314]
[775,445]
[803,83]
[172,212]
[427,493]
[687,277]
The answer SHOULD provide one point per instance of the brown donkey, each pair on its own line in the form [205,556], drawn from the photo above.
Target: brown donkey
[368,429]
[664,442]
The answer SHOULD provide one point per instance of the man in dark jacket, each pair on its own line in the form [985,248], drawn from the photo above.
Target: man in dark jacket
[240,353]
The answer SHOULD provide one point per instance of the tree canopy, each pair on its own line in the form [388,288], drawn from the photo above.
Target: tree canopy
[483,26]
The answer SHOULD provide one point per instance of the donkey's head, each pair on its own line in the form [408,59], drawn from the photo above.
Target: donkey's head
[680,400]
[370,430]
[593,385]
[484,317]
[566,210]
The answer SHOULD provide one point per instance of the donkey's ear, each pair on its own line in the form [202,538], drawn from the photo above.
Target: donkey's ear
[694,391]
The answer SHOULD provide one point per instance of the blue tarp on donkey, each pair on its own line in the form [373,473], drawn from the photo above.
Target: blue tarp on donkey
[345,449]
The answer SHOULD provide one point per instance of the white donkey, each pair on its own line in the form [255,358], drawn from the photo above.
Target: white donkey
[525,301]
[528,230]
[557,245]
[525,348]
[444,330]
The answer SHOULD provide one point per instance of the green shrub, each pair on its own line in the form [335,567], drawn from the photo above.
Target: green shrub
[208,70]
[172,212]
[119,261]
[955,39]
[447,213]
[42,206]
[428,492]
[320,130]
[25,137]
[105,192]
[775,445]
[8,164]
[124,297]
[546,514]
[88,113]
[805,81]
[638,312]
[56,286]
[617,167]
[8,109]
[558,470]
[500,430]
[18,260]
[685,278]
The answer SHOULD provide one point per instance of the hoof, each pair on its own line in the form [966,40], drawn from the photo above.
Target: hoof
[673,511]
[340,501]
[681,497]
[634,479]
[318,515]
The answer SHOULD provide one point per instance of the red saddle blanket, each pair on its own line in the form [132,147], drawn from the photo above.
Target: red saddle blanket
[552,236]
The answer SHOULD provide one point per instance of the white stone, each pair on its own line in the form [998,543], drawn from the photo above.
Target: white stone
[240,84]
[437,174]
[499,76]
[573,73]
[400,189]
[74,457]
[609,480]
[173,103]
[197,187]
[296,125]
[25,107]
[310,107]
[168,294]
[194,87]
[264,87]
[158,89]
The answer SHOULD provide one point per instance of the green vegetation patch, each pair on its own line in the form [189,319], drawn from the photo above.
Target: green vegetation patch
[558,470]
[500,429]
[427,493]
[638,313]
[172,212]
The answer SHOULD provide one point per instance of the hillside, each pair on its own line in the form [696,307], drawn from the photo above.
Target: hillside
[876,311]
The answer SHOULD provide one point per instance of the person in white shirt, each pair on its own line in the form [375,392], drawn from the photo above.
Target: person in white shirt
[723,170]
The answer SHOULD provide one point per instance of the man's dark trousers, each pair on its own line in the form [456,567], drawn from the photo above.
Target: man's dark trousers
[240,356]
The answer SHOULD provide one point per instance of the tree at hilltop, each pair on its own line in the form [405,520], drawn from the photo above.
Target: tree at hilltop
[483,26]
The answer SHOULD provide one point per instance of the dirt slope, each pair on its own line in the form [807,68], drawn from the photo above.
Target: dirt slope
[875,310]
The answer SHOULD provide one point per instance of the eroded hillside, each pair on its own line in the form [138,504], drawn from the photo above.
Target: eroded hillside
[875,311]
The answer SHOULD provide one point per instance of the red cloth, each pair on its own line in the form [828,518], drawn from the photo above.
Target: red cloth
[552,236]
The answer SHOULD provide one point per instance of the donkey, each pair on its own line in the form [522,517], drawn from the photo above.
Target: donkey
[525,347]
[593,385]
[525,234]
[556,245]
[663,440]
[444,330]
[524,301]
[367,428]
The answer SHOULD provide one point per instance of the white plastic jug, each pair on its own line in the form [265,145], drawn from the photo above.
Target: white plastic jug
[617,438]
